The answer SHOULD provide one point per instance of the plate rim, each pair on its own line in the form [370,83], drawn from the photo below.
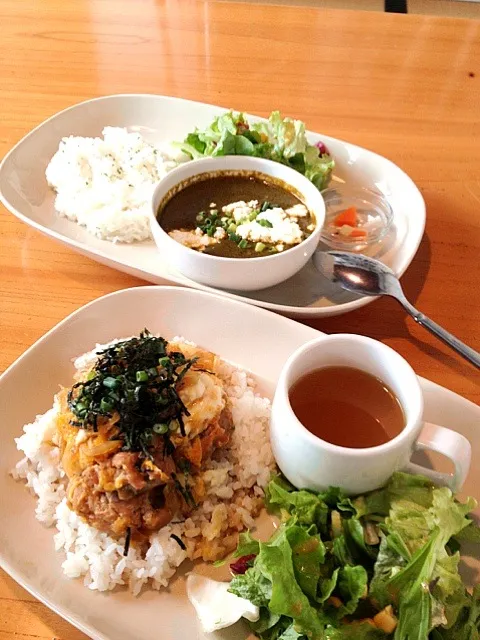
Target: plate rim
[99,255]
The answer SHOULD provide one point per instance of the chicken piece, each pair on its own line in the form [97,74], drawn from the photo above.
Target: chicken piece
[116,490]
[115,512]
[192,240]
[201,447]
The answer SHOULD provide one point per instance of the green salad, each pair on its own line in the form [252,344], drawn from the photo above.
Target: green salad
[280,139]
[382,565]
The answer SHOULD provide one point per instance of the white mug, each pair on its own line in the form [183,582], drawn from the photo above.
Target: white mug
[307,461]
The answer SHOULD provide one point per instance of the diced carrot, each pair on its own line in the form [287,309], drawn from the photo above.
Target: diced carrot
[349,216]
[358,233]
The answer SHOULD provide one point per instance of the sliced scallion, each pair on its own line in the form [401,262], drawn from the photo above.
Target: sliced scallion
[160,428]
[105,405]
[110,383]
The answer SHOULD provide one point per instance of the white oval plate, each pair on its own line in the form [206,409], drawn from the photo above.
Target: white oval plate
[24,191]
[250,337]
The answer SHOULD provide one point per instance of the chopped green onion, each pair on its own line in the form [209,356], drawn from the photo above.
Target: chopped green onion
[214,213]
[224,219]
[265,223]
[259,247]
[105,405]
[199,217]
[111,383]
[267,205]
[253,215]
[142,376]
[164,362]
[231,228]
[210,231]
[243,244]
[91,375]
[208,223]
[160,428]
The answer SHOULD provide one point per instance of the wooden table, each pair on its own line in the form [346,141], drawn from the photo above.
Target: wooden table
[407,87]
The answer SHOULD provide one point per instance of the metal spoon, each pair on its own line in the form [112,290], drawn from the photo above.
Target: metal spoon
[370,277]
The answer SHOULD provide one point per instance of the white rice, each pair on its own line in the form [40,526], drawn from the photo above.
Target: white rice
[106,185]
[234,493]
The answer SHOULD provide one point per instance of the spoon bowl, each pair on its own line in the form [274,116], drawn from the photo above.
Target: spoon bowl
[357,273]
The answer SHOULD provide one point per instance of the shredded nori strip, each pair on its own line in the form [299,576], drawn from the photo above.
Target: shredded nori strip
[180,542]
[137,380]
[128,536]
[184,490]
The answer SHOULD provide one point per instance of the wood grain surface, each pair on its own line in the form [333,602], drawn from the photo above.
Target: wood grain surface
[407,87]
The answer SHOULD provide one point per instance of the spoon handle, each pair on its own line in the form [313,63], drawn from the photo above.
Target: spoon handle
[460,347]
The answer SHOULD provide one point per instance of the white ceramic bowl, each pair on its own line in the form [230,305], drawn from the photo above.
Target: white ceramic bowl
[243,274]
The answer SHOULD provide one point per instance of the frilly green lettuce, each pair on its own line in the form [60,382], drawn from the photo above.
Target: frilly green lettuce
[322,576]
[280,139]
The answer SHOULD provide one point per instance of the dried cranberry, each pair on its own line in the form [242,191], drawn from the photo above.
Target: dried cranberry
[242,127]
[242,564]
[322,149]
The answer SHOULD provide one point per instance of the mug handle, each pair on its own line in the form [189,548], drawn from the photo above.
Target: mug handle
[450,444]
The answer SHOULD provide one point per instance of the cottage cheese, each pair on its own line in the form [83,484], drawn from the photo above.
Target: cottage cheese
[283,225]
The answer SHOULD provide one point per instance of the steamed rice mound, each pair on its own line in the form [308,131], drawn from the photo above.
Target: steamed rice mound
[234,492]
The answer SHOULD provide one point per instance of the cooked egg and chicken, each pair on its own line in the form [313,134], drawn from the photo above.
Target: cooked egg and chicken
[134,432]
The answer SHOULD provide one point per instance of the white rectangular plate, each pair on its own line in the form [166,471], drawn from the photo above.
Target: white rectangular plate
[250,337]
[24,191]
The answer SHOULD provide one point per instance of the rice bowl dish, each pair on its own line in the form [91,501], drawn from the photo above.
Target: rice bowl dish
[233,478]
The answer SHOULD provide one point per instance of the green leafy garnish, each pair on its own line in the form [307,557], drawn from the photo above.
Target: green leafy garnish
[382,565]
[280,139]
[136,380]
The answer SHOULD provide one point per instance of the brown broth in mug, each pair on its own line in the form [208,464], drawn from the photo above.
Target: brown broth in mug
[347,407]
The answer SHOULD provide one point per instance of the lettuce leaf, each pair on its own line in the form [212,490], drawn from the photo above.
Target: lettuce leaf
[246,545]
[414,570]
[280,139]
[357,631]
[467,624]
[352,586]
[253,586]
[317,578]
[275,563]
[416,490]
[308,553]
[308,508]
[287,135]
